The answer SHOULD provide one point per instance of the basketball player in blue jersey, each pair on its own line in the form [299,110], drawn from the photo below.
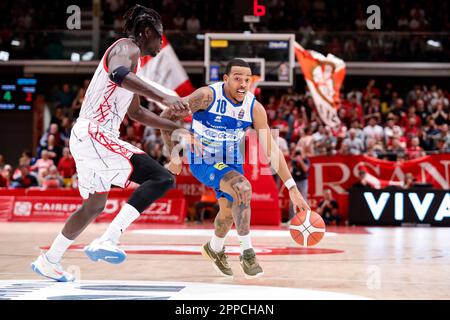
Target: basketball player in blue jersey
[221,114]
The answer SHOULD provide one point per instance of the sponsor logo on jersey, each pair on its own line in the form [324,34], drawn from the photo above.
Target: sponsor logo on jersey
[220,166]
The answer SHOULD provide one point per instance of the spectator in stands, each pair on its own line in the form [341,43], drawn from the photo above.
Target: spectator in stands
[208,203]
[373,130]
[300,172]
[66,167]
[2,161]
[354,109]
[77,102]
[178,22]
[412,129]
[415,150]
[373,109]
[404,121]
[57,116]
[398,109]
[25,180]
[54,130]
[439,97]
[396,148]
[271,108]
[65,130]
[356,124]
[362,180]
[371,91]
[280,123]
[421,111]
[299,122]
[409,181]
[54,151]
[149,138]
[306,142]
[41,177]
[130,136]
[328,144]
[432,133]
[43,163]
[6,174]
[444,135]
[64,96]
[440,116]
[442,146]
[353,144]
[157,153]
[390,128]
[53,180]
[329,209]
[372,149]
[193,23]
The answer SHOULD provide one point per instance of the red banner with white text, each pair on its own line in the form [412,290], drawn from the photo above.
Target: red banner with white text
[48,206]
[339,173]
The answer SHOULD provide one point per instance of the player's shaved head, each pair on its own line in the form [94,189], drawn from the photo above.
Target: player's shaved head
[236,63]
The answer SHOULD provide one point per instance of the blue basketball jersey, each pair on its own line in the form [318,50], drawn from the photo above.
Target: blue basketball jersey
[221,127]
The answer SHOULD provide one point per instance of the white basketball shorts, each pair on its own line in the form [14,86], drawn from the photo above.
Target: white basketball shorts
[101,158]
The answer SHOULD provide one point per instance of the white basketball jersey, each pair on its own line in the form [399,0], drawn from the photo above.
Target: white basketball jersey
[105,103]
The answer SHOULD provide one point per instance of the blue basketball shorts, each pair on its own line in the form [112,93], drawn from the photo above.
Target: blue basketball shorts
[211,175]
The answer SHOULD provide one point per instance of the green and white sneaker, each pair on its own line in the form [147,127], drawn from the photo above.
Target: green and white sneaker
[250,264]
[218,259]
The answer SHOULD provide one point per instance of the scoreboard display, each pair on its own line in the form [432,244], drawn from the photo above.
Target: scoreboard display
[17,94]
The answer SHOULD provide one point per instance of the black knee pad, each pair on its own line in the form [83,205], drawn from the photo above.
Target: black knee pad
[146,168]
[154,180]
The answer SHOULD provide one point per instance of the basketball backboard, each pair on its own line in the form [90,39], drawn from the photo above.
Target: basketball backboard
[271,56]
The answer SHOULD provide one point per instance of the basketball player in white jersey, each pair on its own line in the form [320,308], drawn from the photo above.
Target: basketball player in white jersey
[102,159]
[221,114]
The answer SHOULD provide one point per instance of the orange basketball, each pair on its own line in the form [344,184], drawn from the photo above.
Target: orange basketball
[307,229]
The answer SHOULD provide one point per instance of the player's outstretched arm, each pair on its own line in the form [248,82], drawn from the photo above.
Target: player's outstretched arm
[121,60]
[276,157]
[148,118]
[200,99]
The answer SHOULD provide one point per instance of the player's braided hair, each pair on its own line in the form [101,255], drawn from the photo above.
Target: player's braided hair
[139,17]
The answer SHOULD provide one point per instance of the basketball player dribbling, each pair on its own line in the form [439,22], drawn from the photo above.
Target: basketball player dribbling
[102,159]
[221,114]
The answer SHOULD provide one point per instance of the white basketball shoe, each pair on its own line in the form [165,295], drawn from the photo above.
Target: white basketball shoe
[44,267]
[105,250]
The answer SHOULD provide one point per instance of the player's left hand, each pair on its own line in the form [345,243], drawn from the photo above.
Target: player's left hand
[298,201]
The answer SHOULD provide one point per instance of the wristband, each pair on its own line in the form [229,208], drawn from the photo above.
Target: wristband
[290,183]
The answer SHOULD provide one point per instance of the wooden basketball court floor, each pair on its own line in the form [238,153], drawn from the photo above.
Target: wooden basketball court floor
[349,263]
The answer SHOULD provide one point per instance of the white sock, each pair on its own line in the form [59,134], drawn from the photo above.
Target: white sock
[245,242]
[58,248]
[122,221]
[217,243]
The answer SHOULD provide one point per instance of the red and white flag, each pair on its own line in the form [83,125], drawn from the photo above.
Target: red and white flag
[166,70]
[324,76]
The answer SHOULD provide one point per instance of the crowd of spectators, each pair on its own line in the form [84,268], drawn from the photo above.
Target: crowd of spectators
[323,25]
[375,121]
